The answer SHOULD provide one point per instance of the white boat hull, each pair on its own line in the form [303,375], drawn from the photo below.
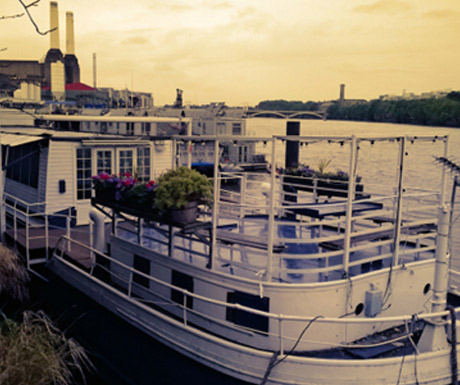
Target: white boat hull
[250,364]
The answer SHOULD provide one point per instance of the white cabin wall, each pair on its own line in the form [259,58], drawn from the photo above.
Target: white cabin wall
[61,166]
[161,157]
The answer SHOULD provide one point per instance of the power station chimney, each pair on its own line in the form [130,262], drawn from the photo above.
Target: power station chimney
[72,69]
[70,39]
[54,25]
[342,93]
[54,58]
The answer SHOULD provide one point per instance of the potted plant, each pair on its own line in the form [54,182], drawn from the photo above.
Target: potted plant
[180,191]
[141,196]
[124,191]
[328,183]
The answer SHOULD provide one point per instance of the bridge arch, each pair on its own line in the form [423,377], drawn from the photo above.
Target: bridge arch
[267,114]
[298,115]
[286,114]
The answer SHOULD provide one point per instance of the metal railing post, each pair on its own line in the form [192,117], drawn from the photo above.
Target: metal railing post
[399,201]
[271,214]
[184,308]
[91,239]
[47,242]
[67,224]
[27,238]
[130,283]
[280,332]
[215,206]
[15,221]
[349,208]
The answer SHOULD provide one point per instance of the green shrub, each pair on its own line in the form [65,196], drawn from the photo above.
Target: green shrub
[176,188]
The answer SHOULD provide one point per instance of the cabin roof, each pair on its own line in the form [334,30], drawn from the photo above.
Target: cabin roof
[15,136]
[13,140]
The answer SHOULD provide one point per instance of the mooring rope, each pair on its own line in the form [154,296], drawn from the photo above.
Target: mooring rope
[274,360]
[270,366]
[453,344]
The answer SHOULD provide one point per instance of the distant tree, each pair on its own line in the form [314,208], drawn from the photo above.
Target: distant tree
[287,105]
[431,112]
[454,95]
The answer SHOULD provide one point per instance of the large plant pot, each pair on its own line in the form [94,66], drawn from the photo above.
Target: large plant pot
[185,215]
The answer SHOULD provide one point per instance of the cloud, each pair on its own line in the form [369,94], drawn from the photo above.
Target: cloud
[384,6]
[441,14]
[171,6]
[138,40]
[221,5]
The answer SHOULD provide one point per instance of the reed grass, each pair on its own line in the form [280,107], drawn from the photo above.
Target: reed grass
[36,352]
[13,275]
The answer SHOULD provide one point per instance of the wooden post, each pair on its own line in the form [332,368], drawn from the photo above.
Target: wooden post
[292,147]
[291,158]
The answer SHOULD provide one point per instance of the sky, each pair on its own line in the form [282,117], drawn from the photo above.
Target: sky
[244,51]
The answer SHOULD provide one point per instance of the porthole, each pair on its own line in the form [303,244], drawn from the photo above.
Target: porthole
[427,288]
[359,309]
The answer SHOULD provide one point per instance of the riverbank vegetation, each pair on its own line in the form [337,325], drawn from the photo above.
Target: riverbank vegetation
[443,111]
[32,349]
[285,105]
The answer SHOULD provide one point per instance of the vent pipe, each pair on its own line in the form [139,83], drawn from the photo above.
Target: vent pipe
[54,25]
[70,38]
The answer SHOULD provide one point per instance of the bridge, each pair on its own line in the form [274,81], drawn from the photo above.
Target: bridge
[285,114]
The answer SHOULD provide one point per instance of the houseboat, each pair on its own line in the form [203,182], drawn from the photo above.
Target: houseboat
[281,284]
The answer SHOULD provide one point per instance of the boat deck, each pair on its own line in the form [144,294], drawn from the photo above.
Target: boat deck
[37,243]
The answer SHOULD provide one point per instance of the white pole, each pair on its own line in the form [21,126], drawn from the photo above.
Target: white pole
[443,175]
[349,208]
[271,215]
[441,274]
[434,336]
[215,206]
[399,201]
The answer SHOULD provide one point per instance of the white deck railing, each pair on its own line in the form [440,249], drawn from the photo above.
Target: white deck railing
[127,287]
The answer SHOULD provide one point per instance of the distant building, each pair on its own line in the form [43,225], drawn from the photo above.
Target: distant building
[57,78]
[128,99]
[52,74]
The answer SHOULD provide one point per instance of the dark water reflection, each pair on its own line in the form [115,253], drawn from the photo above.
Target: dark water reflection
[122,354]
